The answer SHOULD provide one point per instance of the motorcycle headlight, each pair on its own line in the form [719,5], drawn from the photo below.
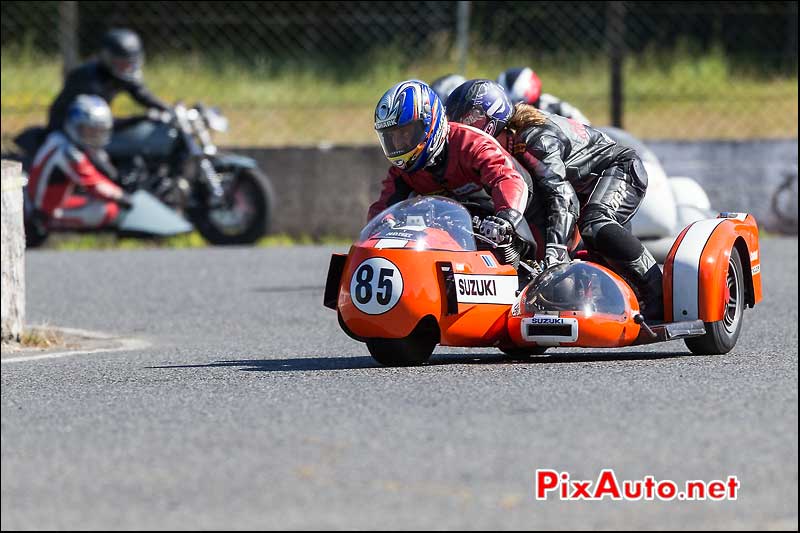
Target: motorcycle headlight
[215,119]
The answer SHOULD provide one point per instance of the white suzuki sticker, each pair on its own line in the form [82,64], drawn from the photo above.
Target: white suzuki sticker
[376,286]
[477,289]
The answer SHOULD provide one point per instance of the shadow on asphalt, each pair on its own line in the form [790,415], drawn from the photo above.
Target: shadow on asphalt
[299,364]
[303,288]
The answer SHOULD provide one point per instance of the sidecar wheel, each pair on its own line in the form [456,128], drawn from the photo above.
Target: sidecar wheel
[521,353]
[721,336]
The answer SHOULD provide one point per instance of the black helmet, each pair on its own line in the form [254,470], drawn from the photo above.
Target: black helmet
[122,53]
[482,104]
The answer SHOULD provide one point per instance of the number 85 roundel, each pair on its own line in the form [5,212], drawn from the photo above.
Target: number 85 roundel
[376,286]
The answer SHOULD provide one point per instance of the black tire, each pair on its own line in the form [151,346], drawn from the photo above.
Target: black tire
[256,189]
[521,353]
[413,350]
[721,336]
[35,235]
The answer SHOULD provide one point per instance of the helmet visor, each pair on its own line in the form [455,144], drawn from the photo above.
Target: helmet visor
[128,68]
[400,140]
[94,135]
[476,118]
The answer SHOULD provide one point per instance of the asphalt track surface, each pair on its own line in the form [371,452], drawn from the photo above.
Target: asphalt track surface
[251,409]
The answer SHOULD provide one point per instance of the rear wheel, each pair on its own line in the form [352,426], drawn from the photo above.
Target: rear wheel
[721,336]
[245,218]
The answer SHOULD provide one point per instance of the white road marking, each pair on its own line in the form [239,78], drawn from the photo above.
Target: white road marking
[124,345]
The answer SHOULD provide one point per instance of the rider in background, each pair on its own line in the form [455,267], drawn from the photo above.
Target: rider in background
[446,84]
[523,85]
[118,69]
[65,186]
[583,176]
[431,156]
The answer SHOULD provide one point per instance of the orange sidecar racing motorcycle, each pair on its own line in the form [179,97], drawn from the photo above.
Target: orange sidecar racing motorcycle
[418,277]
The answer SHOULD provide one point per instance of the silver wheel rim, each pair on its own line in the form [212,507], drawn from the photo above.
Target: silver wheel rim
[235,218]
[733,309]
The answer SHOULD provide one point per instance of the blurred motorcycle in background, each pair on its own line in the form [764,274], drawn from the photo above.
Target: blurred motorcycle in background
[225,196]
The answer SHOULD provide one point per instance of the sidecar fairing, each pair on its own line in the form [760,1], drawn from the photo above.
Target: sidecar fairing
[575,304]
[417,265]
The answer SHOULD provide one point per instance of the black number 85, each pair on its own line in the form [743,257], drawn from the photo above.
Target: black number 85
[383,291]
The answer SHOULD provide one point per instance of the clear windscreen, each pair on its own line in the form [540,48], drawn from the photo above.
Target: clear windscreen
[575,286]
[422,223]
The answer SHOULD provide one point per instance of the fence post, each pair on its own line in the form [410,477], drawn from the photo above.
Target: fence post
[462,30]
[615,37]
[68,34]
[12,242]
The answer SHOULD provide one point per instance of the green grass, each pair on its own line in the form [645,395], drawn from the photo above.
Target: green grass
[107,241]
[678,95]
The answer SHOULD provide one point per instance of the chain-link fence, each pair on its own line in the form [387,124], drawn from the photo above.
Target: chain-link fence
[298,73]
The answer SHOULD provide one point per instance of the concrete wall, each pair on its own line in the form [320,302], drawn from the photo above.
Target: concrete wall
[758,177]
[12,244]
[327,191]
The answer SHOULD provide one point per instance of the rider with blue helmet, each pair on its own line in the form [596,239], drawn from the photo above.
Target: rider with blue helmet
[579,171]
[429,155]
[67,185]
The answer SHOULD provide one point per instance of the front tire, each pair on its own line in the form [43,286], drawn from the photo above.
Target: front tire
[413,350]
[248,216]
[721,336]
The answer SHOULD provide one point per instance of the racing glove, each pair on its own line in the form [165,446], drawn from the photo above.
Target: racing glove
[497,229]
[554,255]
[125,201]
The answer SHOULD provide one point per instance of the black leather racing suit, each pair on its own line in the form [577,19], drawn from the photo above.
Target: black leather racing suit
[585,177]
[94,78]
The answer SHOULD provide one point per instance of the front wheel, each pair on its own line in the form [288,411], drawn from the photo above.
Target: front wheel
[413,350]
[721,336]
[246,216]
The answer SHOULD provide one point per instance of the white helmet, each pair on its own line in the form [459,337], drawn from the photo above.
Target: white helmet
[89,121]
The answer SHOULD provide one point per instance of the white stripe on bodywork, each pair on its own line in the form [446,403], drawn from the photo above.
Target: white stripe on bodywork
[391,243]
[686,270]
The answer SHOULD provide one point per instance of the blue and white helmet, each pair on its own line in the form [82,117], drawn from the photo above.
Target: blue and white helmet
[89,122]
[411,125]
[482,104]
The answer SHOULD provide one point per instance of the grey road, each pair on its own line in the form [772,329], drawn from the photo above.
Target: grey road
[251,409]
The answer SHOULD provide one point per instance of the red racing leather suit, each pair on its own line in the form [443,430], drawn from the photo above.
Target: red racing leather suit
[64,185]
[471,161]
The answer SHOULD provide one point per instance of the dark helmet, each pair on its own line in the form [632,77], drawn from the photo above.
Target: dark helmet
[122,53]
[446,84]
[522,85]
[482,104]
